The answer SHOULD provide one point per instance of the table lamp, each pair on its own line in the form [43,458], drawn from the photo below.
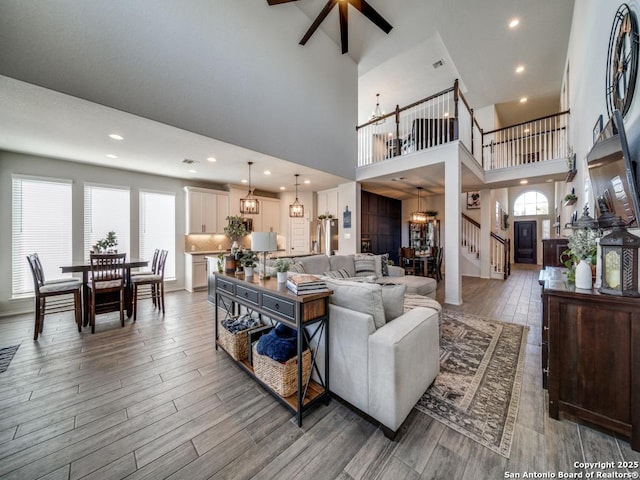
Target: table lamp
[264,242]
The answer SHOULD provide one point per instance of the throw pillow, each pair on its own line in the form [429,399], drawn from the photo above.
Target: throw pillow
[366,265]
[297,268]
[393,300]
[359,296]
[342,273]
[384,264]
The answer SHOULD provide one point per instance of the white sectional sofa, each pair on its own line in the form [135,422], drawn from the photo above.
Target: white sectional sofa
[377,363]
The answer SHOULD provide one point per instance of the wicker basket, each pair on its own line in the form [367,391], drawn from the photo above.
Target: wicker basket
[281,377]
[236,345]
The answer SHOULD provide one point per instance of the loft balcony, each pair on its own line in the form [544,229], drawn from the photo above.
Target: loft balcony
[430,131]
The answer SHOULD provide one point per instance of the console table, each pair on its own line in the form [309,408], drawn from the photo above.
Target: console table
[307,314]
[593,361]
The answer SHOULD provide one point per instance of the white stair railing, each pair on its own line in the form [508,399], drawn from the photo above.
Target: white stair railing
[500,252]
[471,235]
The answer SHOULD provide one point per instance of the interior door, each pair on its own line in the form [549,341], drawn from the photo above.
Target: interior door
[298,236]
[525,242]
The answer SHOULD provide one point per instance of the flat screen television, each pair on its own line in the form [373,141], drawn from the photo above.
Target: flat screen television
[614,173]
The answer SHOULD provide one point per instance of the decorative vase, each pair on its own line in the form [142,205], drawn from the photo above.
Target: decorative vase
[282,277]
[235,248]
[583,275]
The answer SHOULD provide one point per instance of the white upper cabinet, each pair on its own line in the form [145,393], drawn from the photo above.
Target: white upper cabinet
[206,210]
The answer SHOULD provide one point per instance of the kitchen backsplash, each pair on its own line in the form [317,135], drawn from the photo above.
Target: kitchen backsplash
[211,243]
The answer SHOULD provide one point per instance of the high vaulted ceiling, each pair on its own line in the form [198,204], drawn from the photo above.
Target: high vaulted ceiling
[472,38]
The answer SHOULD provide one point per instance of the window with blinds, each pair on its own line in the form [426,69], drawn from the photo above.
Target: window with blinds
[106,209]
[41,223]
[157,228]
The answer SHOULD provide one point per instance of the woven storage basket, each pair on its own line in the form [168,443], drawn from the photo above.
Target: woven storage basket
[236,345]
[281,377]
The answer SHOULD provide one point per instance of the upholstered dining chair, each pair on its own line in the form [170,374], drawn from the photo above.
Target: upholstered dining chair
[155,281]
[107,277]
[60,288]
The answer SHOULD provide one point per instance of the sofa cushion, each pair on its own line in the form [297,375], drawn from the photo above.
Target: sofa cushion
[365,264]
[315,264]
[360,296]
[424,286]
[384,264]
[346,262]
[393,300]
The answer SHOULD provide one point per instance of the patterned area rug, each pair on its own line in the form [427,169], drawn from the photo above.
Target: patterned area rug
[478,389]
[6,355]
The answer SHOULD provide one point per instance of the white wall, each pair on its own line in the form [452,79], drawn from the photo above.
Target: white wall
[15,163]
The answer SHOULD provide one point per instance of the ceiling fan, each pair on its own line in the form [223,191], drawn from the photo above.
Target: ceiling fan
[361,5]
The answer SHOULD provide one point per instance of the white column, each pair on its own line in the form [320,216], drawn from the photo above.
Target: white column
[452,190]
[487,216]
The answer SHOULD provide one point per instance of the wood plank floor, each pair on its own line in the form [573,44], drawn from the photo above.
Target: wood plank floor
[155,400]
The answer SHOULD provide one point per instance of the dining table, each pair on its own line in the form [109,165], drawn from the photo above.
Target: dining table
[84,267]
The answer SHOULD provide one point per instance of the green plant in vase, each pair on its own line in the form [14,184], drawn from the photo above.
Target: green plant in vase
[107,243]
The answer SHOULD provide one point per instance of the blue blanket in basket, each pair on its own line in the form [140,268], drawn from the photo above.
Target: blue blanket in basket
[279,343]
[235,325]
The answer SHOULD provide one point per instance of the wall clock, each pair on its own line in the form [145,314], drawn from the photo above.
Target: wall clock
[622,61]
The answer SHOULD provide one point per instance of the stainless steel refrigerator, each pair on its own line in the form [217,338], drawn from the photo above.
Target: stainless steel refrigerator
[327,236]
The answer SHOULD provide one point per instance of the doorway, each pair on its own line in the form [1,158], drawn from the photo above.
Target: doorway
[525,242]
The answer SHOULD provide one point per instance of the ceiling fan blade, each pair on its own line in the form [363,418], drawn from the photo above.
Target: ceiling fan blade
[371,13]
[278,2]
[319,19]
[343,9]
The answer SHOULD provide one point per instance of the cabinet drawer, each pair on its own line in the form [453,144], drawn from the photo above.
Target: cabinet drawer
[225,285]
[247,294]
[278,305]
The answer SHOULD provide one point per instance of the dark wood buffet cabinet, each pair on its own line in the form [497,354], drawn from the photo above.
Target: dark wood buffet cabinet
[591,356]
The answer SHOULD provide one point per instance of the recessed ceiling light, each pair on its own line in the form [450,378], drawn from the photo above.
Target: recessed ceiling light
[549,180]
[193,171]
[115,136]
[211,159]
[307,182]
[514,23]
[524,182]
[520,69]
[244,180]
[523,100]
[267,172]
[282,188]
[111,155]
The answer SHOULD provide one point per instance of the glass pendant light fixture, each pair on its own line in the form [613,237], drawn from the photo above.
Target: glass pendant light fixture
[418,216]
[249,205]
[296,209]
[377,113]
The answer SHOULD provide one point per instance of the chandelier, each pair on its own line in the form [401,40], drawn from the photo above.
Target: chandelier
[418,216]
[249,204]
[377,113]
[296,209]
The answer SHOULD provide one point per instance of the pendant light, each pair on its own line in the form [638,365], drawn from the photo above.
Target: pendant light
[418,216]
[249,204]
[377,113]
[296,209]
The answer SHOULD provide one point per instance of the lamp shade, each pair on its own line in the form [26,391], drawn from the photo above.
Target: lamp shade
[264,241]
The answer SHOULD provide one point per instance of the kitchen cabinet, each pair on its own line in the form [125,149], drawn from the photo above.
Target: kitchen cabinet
[195,272]
[207,210]
[328,202]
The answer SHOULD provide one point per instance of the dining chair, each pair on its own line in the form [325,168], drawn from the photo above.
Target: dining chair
[434,265]
[408,260]
[154,267]
[107,280]
[61,288]
[155,282]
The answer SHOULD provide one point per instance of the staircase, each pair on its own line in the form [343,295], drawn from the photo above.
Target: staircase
[500,249]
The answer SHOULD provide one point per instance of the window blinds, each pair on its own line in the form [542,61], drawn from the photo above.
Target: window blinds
[106,209]
[157,227]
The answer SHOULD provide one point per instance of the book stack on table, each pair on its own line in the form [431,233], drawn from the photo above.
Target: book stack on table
[302,284]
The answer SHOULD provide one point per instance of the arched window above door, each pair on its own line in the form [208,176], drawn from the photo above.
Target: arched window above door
[531,203]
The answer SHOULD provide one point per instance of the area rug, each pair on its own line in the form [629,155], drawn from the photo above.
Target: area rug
[478,389]
[6,355]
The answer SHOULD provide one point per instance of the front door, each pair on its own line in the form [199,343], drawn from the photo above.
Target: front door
[525,242]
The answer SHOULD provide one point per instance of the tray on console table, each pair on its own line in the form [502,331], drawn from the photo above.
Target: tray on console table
[307,314]
[593,357]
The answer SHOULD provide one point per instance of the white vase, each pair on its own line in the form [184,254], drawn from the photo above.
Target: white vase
[282,277]
[583,275]
[248,272]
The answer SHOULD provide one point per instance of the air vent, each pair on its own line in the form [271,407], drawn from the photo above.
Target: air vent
[188,161]
[438,64]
